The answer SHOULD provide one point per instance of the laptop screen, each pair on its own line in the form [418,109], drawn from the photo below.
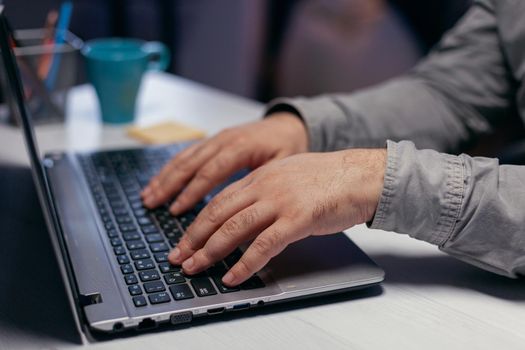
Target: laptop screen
[14,95]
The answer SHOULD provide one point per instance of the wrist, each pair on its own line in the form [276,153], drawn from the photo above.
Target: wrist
[376,170]
[370,168]
[293,126]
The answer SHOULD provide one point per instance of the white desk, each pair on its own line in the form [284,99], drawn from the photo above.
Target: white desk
[428,299]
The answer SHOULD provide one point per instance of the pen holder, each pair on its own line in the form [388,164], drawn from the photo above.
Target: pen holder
[47,71]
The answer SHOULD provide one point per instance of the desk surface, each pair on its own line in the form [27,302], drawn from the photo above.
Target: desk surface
[428,300]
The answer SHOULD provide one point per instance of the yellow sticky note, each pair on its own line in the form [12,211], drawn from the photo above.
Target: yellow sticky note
[167,132]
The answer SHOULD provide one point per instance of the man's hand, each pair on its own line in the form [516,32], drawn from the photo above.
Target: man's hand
[198,169]
[282,202]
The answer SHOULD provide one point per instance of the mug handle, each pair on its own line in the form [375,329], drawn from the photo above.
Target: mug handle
[159,55]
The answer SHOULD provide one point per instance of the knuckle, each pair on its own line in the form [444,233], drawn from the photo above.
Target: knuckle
[230,228]
[209,256]
[227,196]
[243,267]
[205,175]
[226,133]
[240,141]
[262,246]
[223,161]
[275,240]
[213,211]
[184,198]
[187,242]
[269,244]
[248,217]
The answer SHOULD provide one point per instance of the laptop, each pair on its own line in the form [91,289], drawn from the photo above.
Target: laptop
[112,252]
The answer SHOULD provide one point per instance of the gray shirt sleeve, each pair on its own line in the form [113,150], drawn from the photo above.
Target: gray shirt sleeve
[470,207]
[458,92]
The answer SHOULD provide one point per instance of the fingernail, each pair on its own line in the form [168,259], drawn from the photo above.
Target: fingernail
[148,201]
[146,191]
[228,278]
[188,264]
[174,208]
[175,253]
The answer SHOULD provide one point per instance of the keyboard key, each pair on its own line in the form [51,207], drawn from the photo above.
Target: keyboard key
[109,226]
[232,259]
[253,283]
[217,270]
[124,219]
[139,301]
[112,233]
[117,204]
[133,245]
[167,267]
[161,257]
[140,212]
[181,292]
[221,287]
[154,287]
[159,298]
[143,221]
[131,279]
[150,275]
[122,259]
[173,232]
[137,205]
[119,211]
[174,241]
[144,264]
[158,247]
[134,197]
[127,228]
[135,290]
[116,242]
[119,250]
[140,254]
[154,238]
[149,229]
[126,269]
[174,278]
[113,196]
[203,286]
[131,236]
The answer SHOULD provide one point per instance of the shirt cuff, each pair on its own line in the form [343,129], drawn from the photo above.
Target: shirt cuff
[422,194]
[318,114]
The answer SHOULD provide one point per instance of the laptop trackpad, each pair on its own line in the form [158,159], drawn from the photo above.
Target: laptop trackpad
[323,262]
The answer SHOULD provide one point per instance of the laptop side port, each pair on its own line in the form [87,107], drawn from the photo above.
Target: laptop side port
[147,323]
[184,317]
[216,311]
[241,306]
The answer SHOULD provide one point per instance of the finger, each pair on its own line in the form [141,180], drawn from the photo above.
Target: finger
[213,173]
[243,226]
[166,187]
[268,244]
[167,168]
[222,207]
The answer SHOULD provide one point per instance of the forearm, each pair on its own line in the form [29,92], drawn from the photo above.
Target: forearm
[402,109]
[459,92]
[470,207]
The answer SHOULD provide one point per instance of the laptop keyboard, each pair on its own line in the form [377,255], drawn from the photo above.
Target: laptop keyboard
[142,238]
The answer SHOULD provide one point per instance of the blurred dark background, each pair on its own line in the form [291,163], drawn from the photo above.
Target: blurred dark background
[265,48]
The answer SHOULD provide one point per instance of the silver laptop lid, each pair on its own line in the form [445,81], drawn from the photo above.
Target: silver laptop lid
[13,92]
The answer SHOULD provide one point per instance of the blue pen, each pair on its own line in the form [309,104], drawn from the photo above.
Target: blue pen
[64,18]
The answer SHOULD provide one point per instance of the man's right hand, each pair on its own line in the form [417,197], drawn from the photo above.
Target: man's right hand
[194,172]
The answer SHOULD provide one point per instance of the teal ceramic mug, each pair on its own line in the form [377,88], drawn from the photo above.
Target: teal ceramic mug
[115,68]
